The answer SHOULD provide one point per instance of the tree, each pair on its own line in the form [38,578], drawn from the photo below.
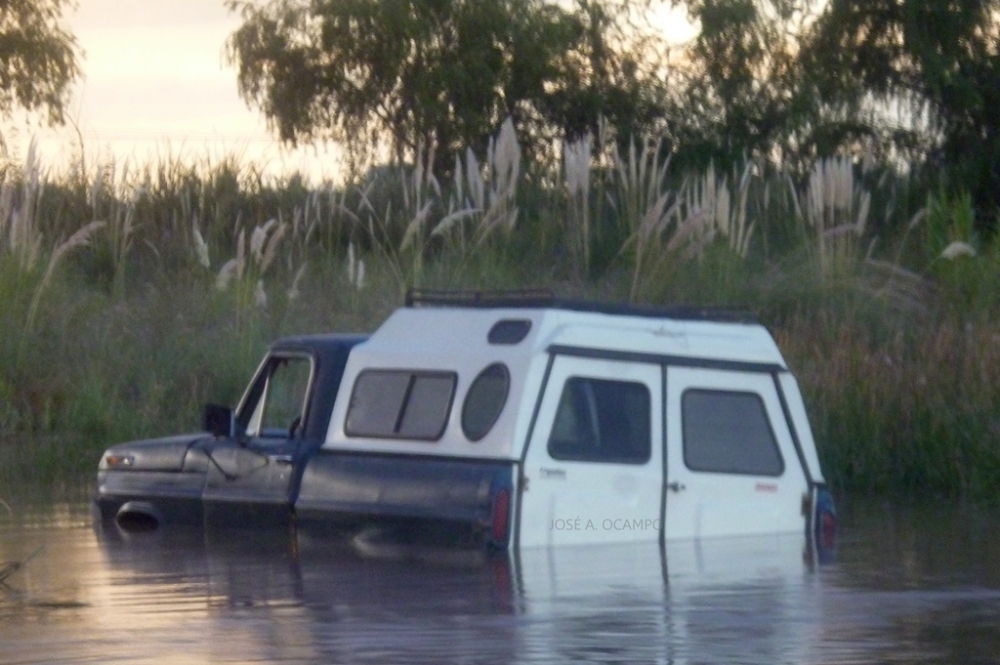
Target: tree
[940,58]
[742,92]
[447,72]
[38,58]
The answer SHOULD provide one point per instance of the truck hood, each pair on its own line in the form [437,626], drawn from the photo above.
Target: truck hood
[166,454]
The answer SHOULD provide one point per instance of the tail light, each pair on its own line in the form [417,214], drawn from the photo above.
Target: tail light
[500,518]
[824,525]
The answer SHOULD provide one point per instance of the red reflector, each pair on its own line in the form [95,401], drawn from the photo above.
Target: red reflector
[827,531]
[501,512]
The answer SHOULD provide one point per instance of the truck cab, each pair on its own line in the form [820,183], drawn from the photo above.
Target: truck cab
[246,466]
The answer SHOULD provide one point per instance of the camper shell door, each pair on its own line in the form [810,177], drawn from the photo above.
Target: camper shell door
[732,463]
[593,467]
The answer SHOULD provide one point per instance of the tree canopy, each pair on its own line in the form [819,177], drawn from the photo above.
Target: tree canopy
[38,58]
[787,79]
[942,59]
[740,93]
[446,72]
[801,79]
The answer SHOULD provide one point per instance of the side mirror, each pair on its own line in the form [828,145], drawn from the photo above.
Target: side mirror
[218,420]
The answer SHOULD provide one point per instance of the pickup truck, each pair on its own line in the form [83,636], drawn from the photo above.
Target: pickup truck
[504,420]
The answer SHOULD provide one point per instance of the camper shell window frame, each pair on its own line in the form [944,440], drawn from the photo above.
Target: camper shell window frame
[482,407]
[403,401]
[552,444]
[771,442]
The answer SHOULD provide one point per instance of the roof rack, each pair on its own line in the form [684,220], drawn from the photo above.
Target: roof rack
[531,298]
[546,299]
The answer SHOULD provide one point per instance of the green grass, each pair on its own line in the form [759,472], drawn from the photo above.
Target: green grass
[128,334]
[902,408]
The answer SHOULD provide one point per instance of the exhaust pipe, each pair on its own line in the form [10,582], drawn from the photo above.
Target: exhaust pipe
[139,516]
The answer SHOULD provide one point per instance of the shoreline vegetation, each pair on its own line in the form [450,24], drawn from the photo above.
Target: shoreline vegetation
[133,295]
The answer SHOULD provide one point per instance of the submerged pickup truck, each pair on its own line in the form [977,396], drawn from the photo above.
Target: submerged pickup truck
[505,420]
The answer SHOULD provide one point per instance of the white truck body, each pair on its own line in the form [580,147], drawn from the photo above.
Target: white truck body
[620,424]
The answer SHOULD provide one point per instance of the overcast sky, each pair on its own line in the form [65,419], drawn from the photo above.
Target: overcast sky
[156,68]
[155,80]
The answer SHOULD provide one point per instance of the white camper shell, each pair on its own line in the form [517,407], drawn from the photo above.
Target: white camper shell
[618,423]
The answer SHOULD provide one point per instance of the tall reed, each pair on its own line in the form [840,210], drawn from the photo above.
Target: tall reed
[911,410]
[835,208]
[890,334]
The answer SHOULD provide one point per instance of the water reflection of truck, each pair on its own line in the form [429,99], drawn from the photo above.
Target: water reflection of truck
[510,421]
[267,595]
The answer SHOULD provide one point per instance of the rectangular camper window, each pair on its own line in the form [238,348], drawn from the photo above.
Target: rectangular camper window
[728,432]
[400,404]
[602,421]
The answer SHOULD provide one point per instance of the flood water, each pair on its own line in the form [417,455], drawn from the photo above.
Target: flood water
[907,585]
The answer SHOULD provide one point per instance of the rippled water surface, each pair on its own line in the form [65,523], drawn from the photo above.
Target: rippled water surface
[908,585]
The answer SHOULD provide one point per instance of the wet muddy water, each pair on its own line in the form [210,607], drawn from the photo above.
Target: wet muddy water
[907,585]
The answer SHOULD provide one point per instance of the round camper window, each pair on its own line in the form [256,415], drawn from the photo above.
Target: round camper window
[484,401]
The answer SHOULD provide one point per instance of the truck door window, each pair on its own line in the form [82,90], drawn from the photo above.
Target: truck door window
[400,404]
[598,420]
[728,432]
[281,406]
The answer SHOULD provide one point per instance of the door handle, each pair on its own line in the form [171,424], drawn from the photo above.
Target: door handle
[675,486]
[280,459]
